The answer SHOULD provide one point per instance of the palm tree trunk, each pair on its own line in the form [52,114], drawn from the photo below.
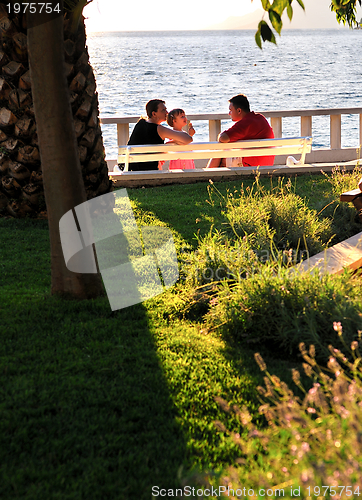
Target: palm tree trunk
[62,178]
[21,181]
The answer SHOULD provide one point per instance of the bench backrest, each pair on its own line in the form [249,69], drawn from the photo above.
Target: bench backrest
[206,150]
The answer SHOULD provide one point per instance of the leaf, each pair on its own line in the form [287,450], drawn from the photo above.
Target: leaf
[77,11]
[265,4]
[276,21]
[290,12]
[301,4]
[279,6]
[258,38]
[266,32]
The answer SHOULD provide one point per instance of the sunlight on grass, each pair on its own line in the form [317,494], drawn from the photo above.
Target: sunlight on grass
[115,402]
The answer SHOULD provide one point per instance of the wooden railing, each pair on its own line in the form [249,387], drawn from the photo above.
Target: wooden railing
[335,152]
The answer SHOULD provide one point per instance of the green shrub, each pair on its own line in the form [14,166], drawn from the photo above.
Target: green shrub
[342,181]
[217,258]
[280,217]
[238,279]
[258,227]
[294,224]
[313,443]
[281,309]
[343,215]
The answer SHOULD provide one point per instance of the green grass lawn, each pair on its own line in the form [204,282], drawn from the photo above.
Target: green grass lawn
[98,404]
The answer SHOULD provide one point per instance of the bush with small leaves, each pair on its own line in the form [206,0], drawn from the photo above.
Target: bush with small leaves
[312,442]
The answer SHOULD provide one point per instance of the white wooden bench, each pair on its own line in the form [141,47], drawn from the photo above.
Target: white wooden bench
[355,197]
[348,254]
[206,150]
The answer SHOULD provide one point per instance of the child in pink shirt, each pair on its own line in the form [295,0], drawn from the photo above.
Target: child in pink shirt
[177,120]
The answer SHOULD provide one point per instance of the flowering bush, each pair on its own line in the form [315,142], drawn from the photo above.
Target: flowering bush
[312,442]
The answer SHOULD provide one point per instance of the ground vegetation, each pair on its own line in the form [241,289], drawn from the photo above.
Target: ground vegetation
[101,404]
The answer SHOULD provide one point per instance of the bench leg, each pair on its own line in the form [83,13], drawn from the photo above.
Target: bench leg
[357,202]
[304,152]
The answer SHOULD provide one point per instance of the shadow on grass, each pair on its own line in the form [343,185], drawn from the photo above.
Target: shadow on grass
[85,410]
[182,207]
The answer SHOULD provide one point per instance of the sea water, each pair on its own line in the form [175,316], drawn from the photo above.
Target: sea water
[200,70]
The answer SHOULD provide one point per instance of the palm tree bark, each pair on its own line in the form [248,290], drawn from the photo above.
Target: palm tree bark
[62,177]
[21,180]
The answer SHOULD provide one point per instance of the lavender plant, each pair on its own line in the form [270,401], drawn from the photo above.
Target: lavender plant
[313,443]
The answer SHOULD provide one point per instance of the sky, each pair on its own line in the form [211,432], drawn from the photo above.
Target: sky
[140,15]
[160,15]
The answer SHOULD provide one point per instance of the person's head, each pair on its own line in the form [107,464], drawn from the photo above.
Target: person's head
[156,110]
[177,118]
[239,107]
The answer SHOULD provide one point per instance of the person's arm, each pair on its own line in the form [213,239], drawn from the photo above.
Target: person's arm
[174,135]
[223,137]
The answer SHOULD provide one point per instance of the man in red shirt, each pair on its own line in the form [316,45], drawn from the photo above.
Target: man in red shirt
[249,125]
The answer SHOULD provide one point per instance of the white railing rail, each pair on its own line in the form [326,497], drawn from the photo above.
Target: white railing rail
[334,153]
